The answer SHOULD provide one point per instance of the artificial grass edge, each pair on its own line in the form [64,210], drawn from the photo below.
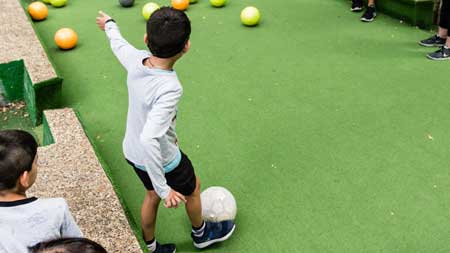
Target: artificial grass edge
[47,138]
[134,226]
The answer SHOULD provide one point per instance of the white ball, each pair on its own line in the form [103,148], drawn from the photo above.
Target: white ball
[218,204]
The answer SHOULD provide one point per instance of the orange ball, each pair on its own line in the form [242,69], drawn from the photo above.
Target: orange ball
[180,4]
[38,10]
[66,38]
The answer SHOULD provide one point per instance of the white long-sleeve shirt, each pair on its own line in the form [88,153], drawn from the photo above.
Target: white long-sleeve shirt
[153,94]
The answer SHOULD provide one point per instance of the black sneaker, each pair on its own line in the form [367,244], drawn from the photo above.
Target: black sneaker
[433,41]
[357,5]
[214,232]
[442,54]
[165,248]
[369,15]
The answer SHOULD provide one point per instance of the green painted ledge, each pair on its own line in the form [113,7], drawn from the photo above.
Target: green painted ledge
[39,96]
[416,12]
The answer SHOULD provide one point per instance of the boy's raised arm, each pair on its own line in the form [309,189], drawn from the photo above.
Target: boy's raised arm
[123,50]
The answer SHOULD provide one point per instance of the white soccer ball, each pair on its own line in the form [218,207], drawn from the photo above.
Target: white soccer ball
[218,204]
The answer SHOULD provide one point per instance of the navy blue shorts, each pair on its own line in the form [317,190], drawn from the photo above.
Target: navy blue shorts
[182,179]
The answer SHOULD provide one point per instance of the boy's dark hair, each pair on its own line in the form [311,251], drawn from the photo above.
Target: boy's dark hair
[17,152]
[168,31]
[68,245]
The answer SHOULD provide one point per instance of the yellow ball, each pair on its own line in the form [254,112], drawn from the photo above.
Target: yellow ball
[148,9]
[218,3]
[250,16]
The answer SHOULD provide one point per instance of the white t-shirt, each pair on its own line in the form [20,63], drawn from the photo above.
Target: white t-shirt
[31,221]
[8,244]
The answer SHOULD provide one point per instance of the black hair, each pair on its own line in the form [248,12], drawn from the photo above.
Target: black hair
[68,245]
[17,152]
[168,31]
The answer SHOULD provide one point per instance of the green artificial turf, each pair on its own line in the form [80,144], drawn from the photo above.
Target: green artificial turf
[332,134]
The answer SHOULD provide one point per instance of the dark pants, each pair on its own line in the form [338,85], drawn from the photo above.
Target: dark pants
[444,17]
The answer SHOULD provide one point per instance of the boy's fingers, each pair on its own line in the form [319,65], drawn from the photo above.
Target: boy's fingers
[181,197]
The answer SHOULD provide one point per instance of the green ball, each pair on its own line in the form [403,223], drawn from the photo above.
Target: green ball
[148,9]
[58,3]
[218,3]
[46,1]
[250,16]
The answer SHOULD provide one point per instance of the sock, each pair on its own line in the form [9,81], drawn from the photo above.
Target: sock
[151,245]
[198,232]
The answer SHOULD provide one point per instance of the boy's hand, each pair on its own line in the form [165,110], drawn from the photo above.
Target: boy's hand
[174,199]
[101,19]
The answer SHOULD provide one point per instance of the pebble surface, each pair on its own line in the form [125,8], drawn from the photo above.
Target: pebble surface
[70,169]
[18,41]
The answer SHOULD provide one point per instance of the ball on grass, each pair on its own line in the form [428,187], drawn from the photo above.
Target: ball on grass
[148,9]
[218,3]
[126,3]
[58,3]
[66,38]
[218,204]
[250,16]
[180,4]
[38,11]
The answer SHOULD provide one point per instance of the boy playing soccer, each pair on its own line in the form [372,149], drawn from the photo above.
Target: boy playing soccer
[28,220]
[150,144]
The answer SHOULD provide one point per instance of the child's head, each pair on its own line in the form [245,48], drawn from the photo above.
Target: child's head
[18,158]
[68,245]
[168,32]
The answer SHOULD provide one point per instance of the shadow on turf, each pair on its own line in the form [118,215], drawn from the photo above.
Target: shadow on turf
[189,246]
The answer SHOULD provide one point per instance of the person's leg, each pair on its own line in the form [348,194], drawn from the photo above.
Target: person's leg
[149,211]
[194,206]
[444,19]
[444,24]
[439,39]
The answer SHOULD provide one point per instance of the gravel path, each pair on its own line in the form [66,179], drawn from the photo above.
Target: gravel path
[19,41]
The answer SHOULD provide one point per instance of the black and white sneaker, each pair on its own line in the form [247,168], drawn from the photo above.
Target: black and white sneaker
[433,41]
[357,5]
[369,15]
[442,54]
[165,248]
